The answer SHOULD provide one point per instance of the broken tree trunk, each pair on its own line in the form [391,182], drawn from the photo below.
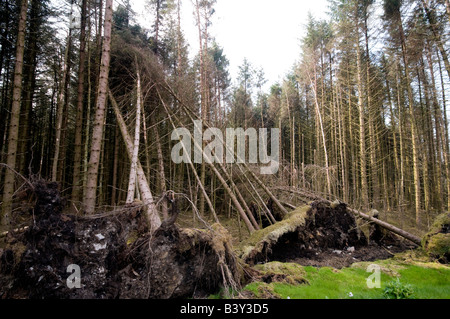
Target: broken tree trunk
[233,197]
[134,157]
[259,182]
[152,213]
[392,228]
[208,200]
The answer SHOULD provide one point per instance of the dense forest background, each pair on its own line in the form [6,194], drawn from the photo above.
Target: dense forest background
[363,114]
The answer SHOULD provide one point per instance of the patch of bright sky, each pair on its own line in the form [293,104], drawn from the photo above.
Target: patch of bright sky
[266,32]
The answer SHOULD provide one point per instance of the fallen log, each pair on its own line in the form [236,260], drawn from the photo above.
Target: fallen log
[288,205]
[416,240]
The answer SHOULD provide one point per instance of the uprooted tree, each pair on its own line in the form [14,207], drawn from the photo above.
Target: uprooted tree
[350,123]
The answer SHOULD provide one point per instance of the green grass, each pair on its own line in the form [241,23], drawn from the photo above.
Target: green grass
[427,280]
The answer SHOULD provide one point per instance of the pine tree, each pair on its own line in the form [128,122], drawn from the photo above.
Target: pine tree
[13,136]
[99,120]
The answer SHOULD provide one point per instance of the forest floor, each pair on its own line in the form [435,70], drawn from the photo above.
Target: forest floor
[343,273]
[188,259]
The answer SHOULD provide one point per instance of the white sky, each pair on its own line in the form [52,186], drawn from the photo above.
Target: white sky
[266,32]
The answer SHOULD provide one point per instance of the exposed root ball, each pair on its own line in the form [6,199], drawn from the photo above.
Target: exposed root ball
[176,263]
[115,255]
[302,232]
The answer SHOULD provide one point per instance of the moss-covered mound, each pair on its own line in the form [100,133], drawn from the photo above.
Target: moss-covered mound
[437,241]
[302,232]
[288,273]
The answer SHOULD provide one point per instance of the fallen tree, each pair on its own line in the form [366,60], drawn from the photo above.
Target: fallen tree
[319,234]
[416,240]
[116,255]
[152,213]
[302,232]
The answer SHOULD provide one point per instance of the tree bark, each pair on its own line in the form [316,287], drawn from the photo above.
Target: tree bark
[134,157]
[97,130]
[414,137]
[161,174]
[76,186]
[62,95]
[203,100]
[322,132]
[362,134]
[8,189]
[29,81]
[147,197]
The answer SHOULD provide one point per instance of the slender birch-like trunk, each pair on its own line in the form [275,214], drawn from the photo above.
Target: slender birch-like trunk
[134,157]
[161,174]
[147,197]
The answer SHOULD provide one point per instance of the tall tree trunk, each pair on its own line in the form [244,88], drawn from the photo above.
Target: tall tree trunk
[76,182]
[134,157]
[342,147]
[29,81]
[372,130]
[203,99]
[414,137]
[161,174]
[152,214]
[394,136]
[445,138]
[115,167]
[401,143]
[322,133]
[8,189]
[62,95]
[431,17]
[440,141]
[97,130]
[362,134]
[428,156]
[87,129]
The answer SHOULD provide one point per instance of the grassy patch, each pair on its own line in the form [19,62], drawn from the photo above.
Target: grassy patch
[427,280]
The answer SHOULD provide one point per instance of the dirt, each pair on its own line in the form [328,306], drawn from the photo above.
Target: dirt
[118,258]
[338,259]
[116,255]
[330,237]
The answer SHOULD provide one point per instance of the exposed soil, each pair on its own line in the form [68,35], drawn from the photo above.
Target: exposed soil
[330,237]
[116,255]
[118,258]
[344,258]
